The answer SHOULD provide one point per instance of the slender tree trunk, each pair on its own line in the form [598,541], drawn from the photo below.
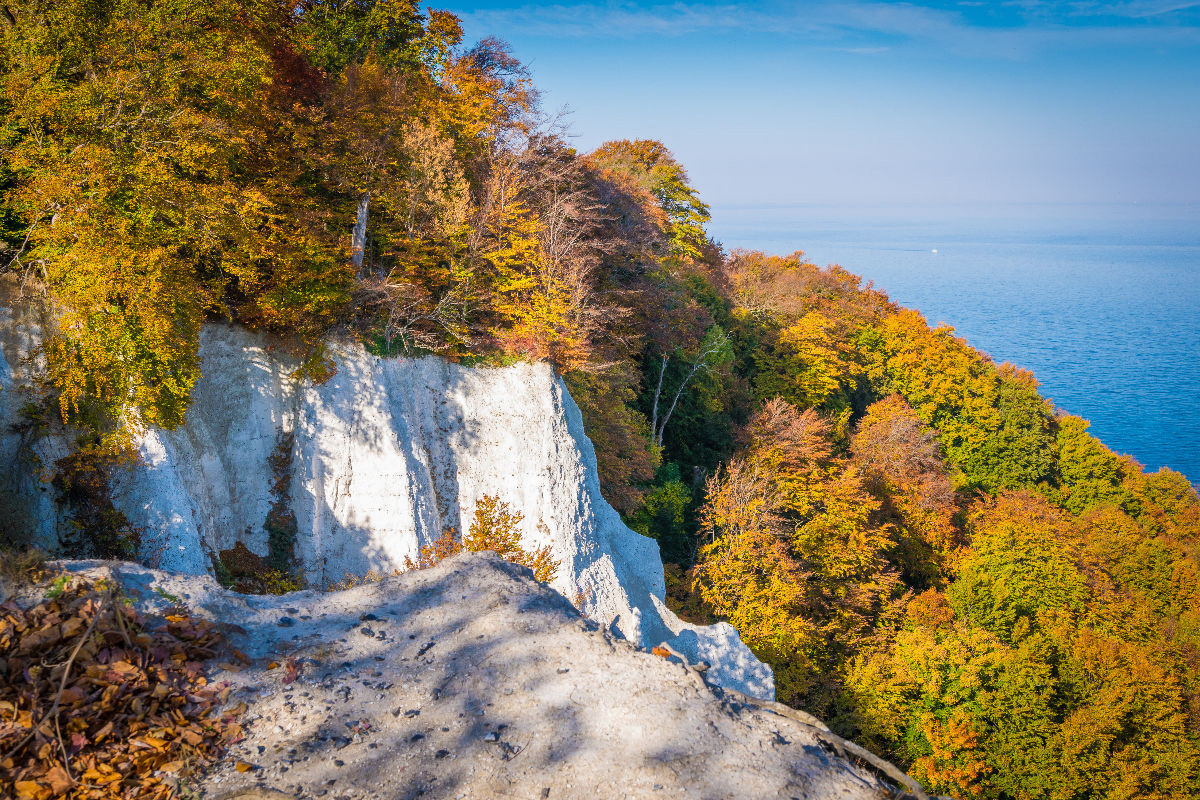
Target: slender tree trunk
[658,437]
[657,391]
[358,241]
[711,350]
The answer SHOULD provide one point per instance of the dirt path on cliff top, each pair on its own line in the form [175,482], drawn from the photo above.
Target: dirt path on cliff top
[470,680]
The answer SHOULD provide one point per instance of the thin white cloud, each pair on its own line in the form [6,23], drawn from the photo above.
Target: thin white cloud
[864,51]
[588,19]
[1140,9]
[859,26]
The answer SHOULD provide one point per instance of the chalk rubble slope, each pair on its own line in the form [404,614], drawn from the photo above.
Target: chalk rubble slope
[471,680]
[384,456]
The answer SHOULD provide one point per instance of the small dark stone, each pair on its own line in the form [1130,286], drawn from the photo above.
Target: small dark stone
[365,631]
[441,754]
[368,617]
[563,670]
[416,737]
[412,712]
[339,762]
[286,622]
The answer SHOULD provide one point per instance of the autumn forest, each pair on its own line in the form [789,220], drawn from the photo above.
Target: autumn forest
[932,558]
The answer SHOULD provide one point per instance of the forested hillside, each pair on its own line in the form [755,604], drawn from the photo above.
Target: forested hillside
[930,555]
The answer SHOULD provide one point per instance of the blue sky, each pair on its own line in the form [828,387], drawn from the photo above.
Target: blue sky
[877,103]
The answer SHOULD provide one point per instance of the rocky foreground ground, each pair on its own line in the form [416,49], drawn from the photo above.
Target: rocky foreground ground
[470,680]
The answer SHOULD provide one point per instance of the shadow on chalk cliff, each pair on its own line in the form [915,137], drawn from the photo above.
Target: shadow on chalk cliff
[437,750]
[372,473]
[420,758]
[345,436]
[371,447]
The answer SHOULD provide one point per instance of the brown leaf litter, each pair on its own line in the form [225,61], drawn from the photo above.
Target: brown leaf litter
[98,702]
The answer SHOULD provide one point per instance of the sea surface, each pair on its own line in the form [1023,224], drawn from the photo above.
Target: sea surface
[1101,302]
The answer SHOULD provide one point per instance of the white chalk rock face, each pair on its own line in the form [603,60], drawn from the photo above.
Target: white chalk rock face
[385,456]
[27,507]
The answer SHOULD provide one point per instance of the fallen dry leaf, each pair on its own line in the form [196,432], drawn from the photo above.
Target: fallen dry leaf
[58,779]
[31,790]
[131,695]
[293,671]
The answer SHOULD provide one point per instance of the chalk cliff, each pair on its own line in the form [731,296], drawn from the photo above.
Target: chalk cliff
[383,457]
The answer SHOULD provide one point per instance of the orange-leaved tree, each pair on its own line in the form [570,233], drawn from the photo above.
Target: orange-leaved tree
[494,527]
[901,459]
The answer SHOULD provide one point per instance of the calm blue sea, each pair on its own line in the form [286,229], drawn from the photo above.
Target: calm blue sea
[1101,302]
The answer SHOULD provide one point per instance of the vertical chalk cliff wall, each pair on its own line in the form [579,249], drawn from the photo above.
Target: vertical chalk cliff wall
[384,456]
[27,507]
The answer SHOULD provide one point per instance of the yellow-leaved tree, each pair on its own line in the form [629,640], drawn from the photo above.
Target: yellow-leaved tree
[797,554]
[123,127]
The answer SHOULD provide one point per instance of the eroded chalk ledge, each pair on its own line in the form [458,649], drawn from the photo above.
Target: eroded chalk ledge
[470,679]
